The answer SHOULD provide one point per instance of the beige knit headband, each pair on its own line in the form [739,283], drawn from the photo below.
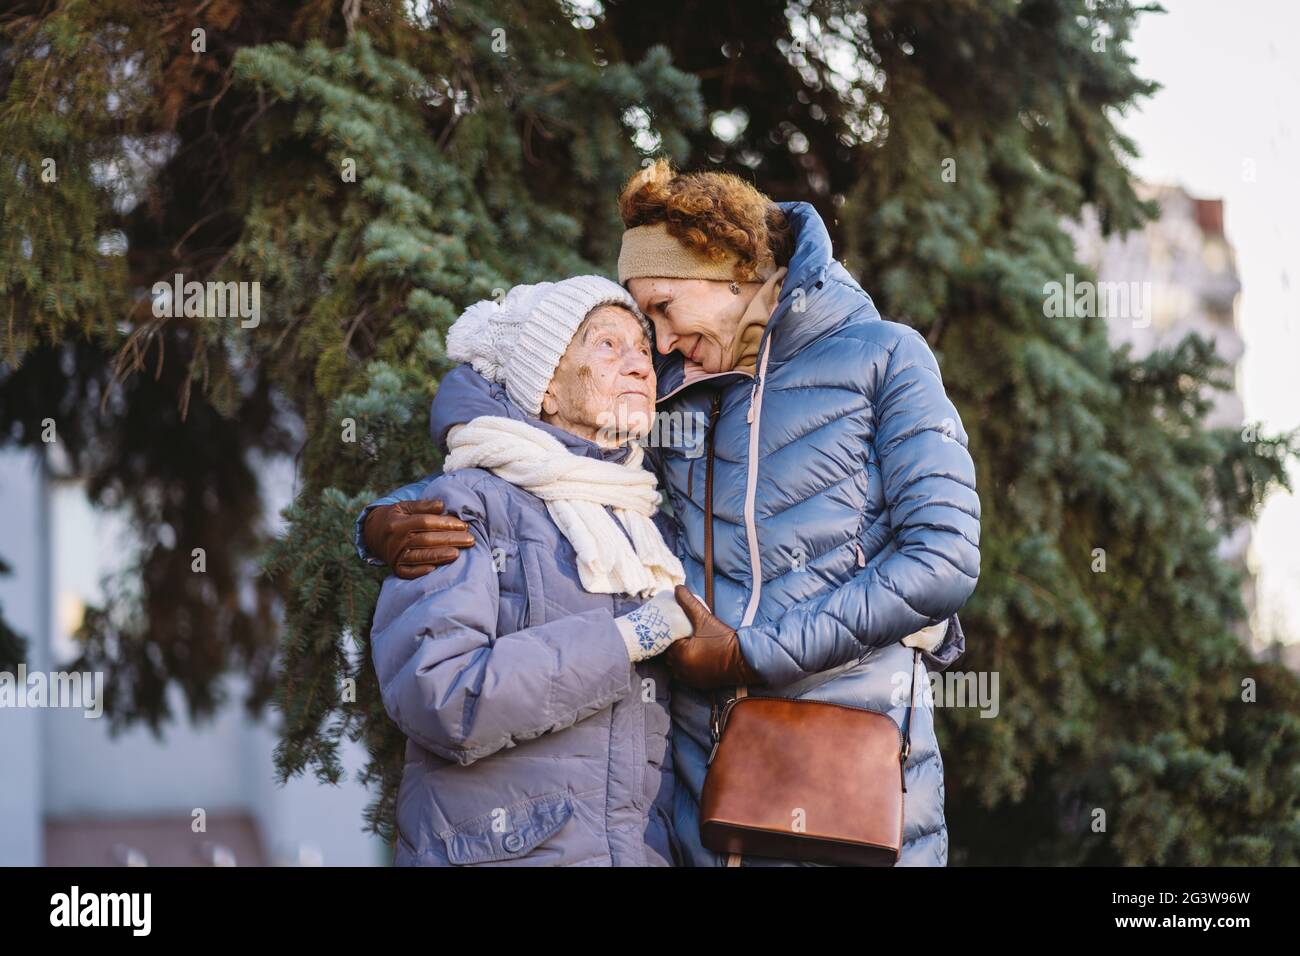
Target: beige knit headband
[649,251]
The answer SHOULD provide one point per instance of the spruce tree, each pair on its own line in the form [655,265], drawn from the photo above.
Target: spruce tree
[374,177]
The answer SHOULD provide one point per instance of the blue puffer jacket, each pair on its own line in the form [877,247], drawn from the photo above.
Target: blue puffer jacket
[846,518]
[845,515]
[531,738]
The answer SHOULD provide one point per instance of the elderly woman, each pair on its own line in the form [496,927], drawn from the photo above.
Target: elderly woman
[845,522]
[526,675]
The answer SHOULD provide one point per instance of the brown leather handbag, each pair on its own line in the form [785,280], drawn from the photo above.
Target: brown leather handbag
[801,779]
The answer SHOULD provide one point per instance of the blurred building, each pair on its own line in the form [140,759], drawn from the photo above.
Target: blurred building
[72,794]
[1183,272]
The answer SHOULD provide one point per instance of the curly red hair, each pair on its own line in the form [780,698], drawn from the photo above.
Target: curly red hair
[714,214]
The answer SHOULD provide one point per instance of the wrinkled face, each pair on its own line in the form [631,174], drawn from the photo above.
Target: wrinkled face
[604,386]
[697,317]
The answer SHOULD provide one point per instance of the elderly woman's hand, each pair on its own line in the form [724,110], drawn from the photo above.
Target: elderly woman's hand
[651,628]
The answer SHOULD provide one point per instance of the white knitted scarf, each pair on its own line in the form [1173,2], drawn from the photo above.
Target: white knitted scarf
[576,489]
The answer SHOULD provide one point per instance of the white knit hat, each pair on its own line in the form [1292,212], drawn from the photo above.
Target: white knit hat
[519,341]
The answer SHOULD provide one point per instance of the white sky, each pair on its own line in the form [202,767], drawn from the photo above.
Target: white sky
[1227,125]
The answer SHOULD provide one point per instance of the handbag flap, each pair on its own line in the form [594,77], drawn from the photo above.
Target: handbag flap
[818,770]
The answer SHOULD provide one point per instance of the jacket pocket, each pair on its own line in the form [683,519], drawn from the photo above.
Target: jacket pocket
[536,612]
[509,833]
[512,588]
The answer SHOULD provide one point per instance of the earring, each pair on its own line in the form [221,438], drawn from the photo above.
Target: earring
[735,289]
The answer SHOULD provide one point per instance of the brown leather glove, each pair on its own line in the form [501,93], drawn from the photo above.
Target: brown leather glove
[711,656]
[414,537]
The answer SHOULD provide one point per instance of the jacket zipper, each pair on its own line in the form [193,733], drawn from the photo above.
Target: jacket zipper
[755,419]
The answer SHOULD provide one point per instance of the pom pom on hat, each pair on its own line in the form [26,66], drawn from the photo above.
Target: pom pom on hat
[486,332]
[468,334]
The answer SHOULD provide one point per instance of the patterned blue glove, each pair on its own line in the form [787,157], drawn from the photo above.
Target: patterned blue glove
[652,627]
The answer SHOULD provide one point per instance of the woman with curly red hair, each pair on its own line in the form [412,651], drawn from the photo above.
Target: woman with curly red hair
[700,237]
[844,525]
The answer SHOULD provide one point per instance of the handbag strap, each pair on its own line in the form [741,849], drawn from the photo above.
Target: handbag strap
[715,702]
[733,859]
[714,411]
[907,720]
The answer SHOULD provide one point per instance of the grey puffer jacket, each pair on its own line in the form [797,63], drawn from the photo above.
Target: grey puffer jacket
[531,737]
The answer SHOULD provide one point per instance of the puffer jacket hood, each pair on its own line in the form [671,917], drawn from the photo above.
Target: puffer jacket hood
[464,395]
[845,518]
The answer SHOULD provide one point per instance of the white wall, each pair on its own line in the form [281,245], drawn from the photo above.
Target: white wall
[57,763]
[306,822]
[24,597]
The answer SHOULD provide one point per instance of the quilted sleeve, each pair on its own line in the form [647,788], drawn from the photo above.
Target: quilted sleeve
[462,690]
[933,508]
